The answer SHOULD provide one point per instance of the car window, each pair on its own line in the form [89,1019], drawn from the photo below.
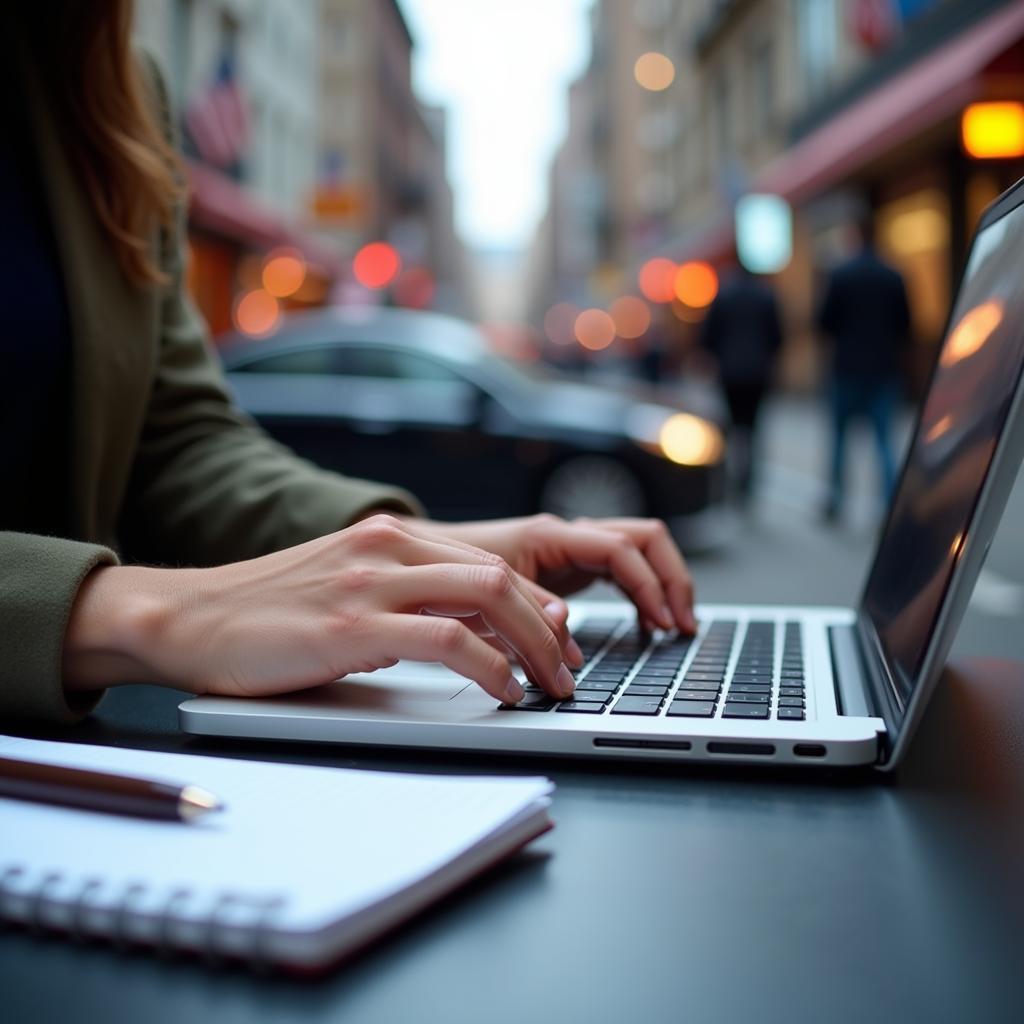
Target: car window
[310,360]
[391,364]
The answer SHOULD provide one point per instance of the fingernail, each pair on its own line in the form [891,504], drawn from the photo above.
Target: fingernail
[667,619]
[513,692]
[565,681]
[572,649]
[691,622]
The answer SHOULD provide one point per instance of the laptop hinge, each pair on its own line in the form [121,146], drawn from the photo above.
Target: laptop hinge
[877,685]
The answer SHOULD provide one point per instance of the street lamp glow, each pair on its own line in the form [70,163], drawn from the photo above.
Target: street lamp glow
[993,130]
[654,71]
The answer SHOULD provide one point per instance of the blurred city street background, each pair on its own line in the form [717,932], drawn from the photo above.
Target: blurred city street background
[585,182]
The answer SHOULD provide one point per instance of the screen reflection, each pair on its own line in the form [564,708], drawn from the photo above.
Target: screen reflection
[963,415]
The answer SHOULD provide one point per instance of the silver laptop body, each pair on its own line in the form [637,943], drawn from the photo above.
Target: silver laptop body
[865,674]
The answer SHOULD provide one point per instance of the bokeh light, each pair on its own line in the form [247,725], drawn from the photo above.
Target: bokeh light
[993,130]
[690,441]
[257,313]
[973,330]
[696,284]
[657,280]
[560,323]
[631,316]
[376,265]
[687,314]
[654,71]
[594,329]
[415,288]
[283,273]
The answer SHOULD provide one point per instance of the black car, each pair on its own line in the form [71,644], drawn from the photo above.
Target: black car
[421,400]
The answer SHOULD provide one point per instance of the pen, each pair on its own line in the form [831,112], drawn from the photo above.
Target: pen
[103,791]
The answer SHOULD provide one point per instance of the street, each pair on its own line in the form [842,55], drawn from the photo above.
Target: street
[779,552]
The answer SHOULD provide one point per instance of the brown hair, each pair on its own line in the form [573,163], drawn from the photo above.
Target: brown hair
[110,125]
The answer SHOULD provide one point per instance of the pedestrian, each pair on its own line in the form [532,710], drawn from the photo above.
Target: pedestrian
[866,317]
[149,531]
[743,332]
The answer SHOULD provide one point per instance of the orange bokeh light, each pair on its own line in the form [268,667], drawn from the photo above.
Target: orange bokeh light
[376,265]
[993,130]
[654,71]
[560,323]
[594,329]
[632,316]
[283,274]
[657,280]
[696,284]
[973,330]
[257,313]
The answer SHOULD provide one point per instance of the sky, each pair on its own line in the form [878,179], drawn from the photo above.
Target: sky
[502,69]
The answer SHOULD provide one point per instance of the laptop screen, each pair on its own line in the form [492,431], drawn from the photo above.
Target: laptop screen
[962,417]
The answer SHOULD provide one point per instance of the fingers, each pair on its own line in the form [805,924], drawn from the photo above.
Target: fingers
[449,641]
[495,594]
[665,558]
[426,550]
[601,550]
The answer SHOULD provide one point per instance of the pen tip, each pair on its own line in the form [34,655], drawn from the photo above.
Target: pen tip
[194,802]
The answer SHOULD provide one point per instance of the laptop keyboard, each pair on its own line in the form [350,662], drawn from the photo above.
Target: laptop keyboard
[733,673]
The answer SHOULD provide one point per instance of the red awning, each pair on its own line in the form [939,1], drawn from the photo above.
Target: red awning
[219,204]
[934,88]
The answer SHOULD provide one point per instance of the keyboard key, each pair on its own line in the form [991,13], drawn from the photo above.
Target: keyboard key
[691,709]
[581,707]
[698,684]
[707,677]
[791,691]
[733,709]
[647,671]
[735,687]
[747,698]
[595,687]
[791,702]
[637,706]
[538,701]
[592,696]
[752,677]
[645,690]
[711,695]
[604,677]
[793,714]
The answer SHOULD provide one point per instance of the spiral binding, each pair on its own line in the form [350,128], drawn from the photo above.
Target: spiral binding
[215,930]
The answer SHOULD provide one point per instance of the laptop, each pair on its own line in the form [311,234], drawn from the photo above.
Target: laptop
[760,684]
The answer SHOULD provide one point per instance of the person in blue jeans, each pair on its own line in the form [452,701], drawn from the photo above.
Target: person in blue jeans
[866,316]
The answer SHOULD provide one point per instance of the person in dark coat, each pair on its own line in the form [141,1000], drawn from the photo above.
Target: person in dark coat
[743,333]
[866,316]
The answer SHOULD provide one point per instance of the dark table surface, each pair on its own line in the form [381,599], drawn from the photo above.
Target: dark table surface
[663,894]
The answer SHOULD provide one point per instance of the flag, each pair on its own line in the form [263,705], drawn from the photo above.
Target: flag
[217,120]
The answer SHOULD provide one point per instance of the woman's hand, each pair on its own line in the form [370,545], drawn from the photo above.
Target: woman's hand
[353,601]
[563,557]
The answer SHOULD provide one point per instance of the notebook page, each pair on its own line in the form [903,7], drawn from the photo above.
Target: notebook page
[324,842]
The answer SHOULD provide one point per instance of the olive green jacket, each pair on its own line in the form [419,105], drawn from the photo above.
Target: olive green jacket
[163,466]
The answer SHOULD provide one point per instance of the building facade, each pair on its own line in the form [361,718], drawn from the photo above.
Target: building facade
[845,108]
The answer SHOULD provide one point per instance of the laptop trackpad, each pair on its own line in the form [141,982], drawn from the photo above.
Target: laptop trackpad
[398,688]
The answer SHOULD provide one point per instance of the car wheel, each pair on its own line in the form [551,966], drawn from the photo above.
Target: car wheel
[595,486]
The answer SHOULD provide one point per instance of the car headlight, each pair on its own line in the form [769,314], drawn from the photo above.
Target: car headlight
[681,437]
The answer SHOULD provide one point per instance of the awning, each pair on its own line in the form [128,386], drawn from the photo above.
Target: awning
[223,206]
[936,87]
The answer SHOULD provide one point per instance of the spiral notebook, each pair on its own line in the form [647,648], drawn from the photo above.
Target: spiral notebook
[304,866]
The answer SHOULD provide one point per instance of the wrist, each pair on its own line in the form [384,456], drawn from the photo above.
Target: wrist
[119,619]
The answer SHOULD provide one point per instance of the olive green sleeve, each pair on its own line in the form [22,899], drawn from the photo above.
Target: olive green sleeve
[208,486]
[39,580]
